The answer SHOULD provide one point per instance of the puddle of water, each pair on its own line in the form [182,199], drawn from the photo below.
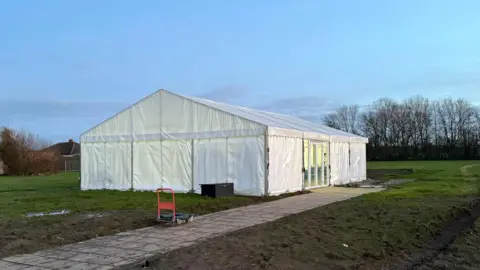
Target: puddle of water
[52,213]
[374,184]
[370,186]
[395,182]
[93,215]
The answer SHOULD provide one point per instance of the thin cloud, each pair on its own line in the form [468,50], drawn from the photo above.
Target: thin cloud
[56,120]
[310,108]
[227,93]
[438,78]
[58,109]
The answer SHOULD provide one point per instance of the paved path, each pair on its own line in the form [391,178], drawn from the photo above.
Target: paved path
[129,247]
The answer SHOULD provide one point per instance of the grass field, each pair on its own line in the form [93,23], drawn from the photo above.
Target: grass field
[93,213]
[368,232]
[377,229]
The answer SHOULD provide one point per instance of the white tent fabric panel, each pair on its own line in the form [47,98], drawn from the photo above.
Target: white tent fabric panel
[356,160]
[117,165]
[147,165]
[362,149]
[233,160]
[210,162]
[146,118]
[167,116]
[246,165]
[339,163]
[285,122]
[176,116]
[93,166]
[184,118]
[285,164]
[273,131]
[117,128]
[164,115]
[177,165]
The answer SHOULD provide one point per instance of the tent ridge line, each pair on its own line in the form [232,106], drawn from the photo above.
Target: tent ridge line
[216,109]
[118,113]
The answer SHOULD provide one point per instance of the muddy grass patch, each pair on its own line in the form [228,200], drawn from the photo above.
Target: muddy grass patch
[352,234]
[368,232]
[386,174]
[456,225]
[25,235]
[377,178]
[462,254]
[127,211]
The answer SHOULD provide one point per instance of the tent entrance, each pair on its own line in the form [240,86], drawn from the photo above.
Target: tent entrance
[316,173]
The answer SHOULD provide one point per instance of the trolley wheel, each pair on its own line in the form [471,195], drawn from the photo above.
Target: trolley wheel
[180,221]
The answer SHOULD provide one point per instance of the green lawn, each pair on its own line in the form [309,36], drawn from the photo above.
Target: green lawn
[33,183]
[120,210]
[20,195]
[434,178]
[378,228]
[368,232]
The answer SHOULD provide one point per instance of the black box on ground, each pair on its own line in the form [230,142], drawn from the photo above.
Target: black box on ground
[217,190]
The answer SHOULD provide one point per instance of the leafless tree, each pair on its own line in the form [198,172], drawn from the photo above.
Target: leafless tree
[331,120]
[345,118]
[455,118]
[415,128]
[420,122]
[370,127]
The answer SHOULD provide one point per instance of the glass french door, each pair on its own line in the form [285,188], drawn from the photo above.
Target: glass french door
[316,169]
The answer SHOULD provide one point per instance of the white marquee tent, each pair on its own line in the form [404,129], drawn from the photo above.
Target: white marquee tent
[169,140]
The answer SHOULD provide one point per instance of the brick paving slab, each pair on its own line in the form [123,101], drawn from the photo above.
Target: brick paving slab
[125,248]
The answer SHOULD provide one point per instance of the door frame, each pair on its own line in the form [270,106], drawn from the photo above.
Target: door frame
[316,180]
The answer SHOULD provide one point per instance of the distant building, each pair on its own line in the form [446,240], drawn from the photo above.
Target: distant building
[69,155]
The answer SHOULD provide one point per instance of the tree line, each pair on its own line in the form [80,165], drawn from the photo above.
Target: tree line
[413,129]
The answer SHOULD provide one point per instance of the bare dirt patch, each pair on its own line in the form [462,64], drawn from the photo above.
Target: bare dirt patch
[461,222]
[29,234]
[386,174]
[377,178]
[32,234]
[461,255]
[373,231]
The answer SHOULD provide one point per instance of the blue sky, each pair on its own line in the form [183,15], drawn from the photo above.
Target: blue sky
[67,65]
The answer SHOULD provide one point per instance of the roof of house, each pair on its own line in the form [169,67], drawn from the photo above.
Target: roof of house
[65,148]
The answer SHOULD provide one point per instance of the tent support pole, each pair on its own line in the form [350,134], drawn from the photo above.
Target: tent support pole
[329,167]
[131,164]
[309,158]
[266,162]
[226,159]
[193,166]
[304,170]
[131,149]
[322,159]
[81,179]
[192,116]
